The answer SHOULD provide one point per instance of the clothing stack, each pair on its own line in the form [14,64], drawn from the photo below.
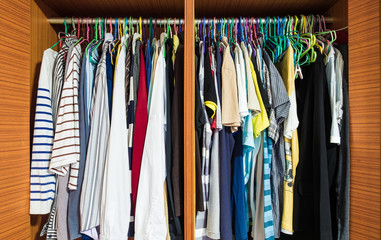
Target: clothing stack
[107,115]
[272,151]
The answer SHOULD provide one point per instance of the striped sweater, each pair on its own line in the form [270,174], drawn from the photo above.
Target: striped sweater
[65,155]
[42,181]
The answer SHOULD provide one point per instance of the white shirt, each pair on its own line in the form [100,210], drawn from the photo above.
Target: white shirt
[331,78]
[150,221]
[252,98]
[339,69]
[241,82]
[115,201]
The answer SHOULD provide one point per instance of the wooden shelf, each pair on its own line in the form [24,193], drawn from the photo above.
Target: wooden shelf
[114,8]
[169,8]
[260,8]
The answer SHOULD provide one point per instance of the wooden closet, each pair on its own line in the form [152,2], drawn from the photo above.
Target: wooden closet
[25,33]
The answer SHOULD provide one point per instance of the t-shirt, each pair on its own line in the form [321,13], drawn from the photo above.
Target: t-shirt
[230,112]
[291,146]
[241,81]
[252,98]
[261,121]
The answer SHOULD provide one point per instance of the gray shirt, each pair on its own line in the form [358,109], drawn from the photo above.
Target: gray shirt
[280,103]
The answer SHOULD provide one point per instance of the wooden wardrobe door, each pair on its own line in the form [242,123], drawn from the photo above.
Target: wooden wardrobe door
[364,101]
[14,118]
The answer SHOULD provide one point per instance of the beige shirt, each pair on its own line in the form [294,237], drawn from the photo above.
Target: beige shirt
[230,112]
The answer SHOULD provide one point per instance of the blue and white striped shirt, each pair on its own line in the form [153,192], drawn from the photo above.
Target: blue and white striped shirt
[42,181]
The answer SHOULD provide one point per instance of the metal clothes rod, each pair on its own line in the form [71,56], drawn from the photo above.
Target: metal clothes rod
[147,21]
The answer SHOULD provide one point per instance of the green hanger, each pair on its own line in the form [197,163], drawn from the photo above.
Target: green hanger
[99,42]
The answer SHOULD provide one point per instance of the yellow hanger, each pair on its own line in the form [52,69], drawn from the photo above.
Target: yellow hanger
[140,28]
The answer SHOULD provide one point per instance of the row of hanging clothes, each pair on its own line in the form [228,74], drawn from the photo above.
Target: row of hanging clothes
[272,130]
[105,162]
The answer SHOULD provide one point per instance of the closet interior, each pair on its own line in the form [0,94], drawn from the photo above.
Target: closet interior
[25,32]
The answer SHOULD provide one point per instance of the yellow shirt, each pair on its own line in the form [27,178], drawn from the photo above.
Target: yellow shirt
[260,121]
[286,69]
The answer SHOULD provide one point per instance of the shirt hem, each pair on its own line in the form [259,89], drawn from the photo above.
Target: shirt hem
[335,139]
[286,232]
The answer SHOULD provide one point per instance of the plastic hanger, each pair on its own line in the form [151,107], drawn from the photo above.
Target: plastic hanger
[268,43]
[209,32]
[59,38]
[67,35]
[117,40]
[99,41]
[140,28]
[95,36]
[115,36]
[81,40]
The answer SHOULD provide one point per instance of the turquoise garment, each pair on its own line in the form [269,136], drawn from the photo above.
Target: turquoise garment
[247,155]
[268,215]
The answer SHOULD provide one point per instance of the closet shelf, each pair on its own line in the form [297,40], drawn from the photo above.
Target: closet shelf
[113,8]
[167,8]
[260,8]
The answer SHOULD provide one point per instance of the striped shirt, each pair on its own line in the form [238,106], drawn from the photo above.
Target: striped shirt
[267,154]
[59,75]
[201,217]
[96,149]
[268,215]
[131,119]
[66,152]
[42,181]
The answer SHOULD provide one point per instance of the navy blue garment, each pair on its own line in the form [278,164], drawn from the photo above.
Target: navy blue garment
[131,120]
[110,77]
[238,189]
[148,65]
[85,237]
[226,150]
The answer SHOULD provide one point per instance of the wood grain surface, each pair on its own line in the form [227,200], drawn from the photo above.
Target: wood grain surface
[14,119]
[364,101]
[116,8]
[43,36]
[189,124]
[262,8]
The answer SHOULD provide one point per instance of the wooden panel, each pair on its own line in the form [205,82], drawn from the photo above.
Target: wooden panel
[339,12]
[189,123]
[262,8]
[116,8]
[14,118]
[44,37]
[364,100]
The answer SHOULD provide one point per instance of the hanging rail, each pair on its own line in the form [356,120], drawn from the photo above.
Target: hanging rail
[155,20]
